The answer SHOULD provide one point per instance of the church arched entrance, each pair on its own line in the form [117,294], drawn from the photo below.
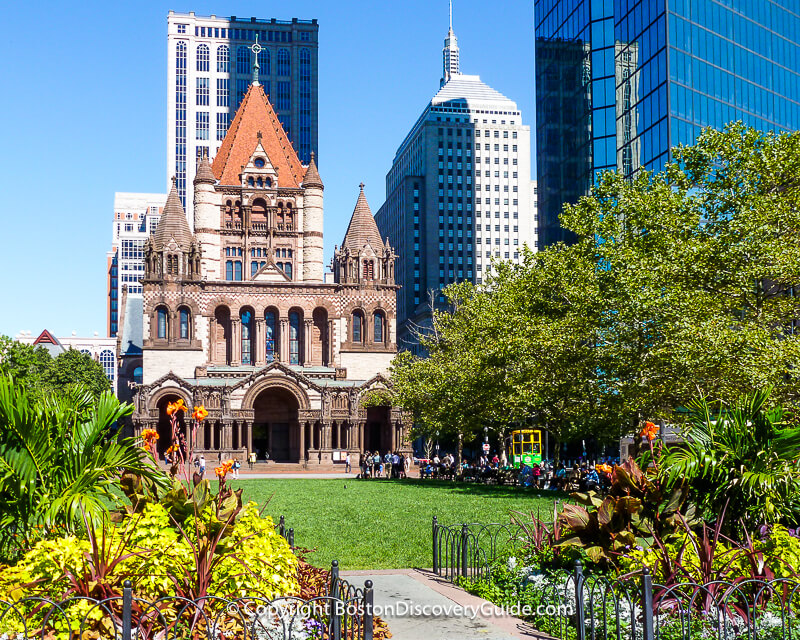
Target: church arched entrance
[165,425]
[378,430]
[275,425]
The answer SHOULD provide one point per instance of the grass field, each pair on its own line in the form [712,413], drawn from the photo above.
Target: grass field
[382,524]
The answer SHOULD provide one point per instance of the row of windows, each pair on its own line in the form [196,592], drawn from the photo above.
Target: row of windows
[244,34]
[233,269]
[163,320]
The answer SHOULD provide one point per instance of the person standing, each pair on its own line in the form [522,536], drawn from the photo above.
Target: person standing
[347,463]
[202,466]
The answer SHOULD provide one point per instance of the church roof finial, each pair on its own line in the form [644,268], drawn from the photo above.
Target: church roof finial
[256,49]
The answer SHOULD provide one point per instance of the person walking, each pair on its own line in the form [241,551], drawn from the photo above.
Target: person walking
[347,463]
[202,466]
[387,465]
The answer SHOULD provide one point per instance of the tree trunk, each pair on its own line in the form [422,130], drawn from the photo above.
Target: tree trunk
[459,449]
[557,447]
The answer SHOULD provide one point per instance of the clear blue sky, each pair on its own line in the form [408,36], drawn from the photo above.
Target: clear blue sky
[83,106]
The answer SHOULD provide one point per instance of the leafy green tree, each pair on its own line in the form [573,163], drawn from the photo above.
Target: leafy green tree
[741,458]
[695,267]
[75,368]
[40,372]
[60,461]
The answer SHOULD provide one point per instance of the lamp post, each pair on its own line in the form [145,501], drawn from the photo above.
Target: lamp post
[437,444]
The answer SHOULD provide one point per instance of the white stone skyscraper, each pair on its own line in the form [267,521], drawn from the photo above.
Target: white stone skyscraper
[458,193]
[209,68]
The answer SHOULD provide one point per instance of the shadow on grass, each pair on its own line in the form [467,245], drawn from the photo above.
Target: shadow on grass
[474,488]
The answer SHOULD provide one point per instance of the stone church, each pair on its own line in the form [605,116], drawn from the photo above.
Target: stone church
[239,315]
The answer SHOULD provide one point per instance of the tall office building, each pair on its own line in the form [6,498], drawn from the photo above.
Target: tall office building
[458,192]
[617,90]
[210,67]
[136,217]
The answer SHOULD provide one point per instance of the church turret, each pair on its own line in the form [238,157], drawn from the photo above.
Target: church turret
[207,216]
[172,253]
[312,224]
[363,257]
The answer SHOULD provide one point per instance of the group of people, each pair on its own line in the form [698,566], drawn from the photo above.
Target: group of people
[200,466]
[391,465]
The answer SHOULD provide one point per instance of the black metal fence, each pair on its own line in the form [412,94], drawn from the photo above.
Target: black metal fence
[579,606]
[344,614]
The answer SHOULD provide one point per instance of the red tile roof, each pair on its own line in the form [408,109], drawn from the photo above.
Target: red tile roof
[256,115]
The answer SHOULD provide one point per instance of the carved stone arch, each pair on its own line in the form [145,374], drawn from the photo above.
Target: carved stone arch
[280,382]
[193,306]
[219,301]
[156,396]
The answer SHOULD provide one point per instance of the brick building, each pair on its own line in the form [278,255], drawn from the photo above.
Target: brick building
[239,315]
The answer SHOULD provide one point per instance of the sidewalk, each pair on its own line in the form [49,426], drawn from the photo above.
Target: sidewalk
[414,588]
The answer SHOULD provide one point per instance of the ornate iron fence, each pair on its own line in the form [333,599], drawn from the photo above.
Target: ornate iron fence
[579,606]
[345,614]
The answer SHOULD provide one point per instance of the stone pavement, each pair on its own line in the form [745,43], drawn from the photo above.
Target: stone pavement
[451,612]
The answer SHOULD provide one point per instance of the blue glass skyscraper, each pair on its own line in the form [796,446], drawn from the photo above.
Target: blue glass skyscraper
[621,82]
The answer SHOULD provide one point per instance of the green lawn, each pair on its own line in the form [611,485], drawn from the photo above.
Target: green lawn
[383,524]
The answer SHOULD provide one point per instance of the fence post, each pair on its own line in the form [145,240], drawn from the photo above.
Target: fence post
[337,603]
[579,612]
[127,605]
[647,604]
[435,546]
[368,604]
[334,591]
[464,549]
[291,537]
[282,527]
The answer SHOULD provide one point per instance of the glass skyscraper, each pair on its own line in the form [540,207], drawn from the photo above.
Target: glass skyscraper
[621,82]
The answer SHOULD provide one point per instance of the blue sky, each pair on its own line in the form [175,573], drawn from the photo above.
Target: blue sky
[84,112]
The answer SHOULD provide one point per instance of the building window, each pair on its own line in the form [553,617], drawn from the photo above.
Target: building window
[263,62]
[247,332]
[184,323]
[181,28]
[223,59]
[202,92]
[203,57]
[284,101]
[180,119]
[162,321]
[223,121]
[294,338]
[269,318]
[368,270]
[243,61]
[377,321]
[107,360]
[283,62]
[172,265]
[358,326]
[223,94]
[201,131]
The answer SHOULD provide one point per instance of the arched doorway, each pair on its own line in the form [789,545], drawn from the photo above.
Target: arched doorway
[165,425]
[275,426]
[377,430]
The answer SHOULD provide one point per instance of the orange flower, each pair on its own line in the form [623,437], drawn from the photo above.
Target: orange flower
[650,431]
[220,471]
[604,468]
[200,413]
[172,448]
[227,465]
[174,407]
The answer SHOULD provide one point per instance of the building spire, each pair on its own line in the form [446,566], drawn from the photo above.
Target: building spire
[256,49]
[450,66]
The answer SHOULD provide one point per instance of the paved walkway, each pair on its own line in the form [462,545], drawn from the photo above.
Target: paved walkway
[401,594]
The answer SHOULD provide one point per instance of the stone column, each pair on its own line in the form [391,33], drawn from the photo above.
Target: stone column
[339,435]
[302,442]
[236,342]
[227,435]
[307,357]
[330,344]
[212,339]
[284,339]
[260,346]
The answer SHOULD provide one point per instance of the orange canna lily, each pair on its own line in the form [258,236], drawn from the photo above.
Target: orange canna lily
[220,471]
[200,413]
[174,407]
[172,448]
[650,431]
[149,436]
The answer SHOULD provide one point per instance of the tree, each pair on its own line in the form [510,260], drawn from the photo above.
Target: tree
[40,372]
[696,266]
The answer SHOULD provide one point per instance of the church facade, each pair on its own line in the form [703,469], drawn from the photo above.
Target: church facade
[239,315]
